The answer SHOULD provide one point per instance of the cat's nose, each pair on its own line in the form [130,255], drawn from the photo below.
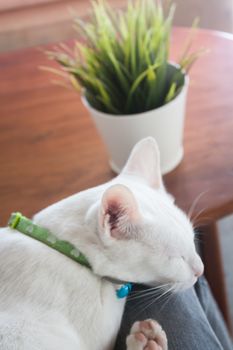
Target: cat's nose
[197,267]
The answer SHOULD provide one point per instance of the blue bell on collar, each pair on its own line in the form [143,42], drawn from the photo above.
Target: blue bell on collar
[124,290]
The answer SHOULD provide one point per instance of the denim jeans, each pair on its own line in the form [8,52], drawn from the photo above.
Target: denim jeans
[191,319]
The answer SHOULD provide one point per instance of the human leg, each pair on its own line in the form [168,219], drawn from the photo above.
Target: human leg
[183,319]
[212,312]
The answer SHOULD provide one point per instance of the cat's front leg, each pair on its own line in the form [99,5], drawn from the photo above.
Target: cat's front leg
[146,335]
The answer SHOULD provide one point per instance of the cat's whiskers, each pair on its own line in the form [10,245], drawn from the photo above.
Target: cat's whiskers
[156,299]
[147,298]
[146,289]
[144,301]
[197,216]
[139,294]
[194,204]
[169,298]
[149,289]
[151,293]
[203,221]
[198,242]
[199,237]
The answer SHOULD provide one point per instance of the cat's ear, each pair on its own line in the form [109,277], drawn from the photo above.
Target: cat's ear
[118,212]
[144,162]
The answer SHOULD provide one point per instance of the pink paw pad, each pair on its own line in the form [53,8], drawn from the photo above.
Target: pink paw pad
[140,337]
[148,335]
[152,345]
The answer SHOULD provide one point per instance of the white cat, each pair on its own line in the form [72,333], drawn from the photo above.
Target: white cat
[129,229]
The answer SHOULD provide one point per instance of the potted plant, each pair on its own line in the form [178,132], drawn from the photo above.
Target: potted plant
[120,64]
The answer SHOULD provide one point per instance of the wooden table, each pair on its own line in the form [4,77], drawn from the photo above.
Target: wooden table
[50,149]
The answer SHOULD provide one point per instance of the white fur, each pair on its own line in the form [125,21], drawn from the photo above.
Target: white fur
[47,301]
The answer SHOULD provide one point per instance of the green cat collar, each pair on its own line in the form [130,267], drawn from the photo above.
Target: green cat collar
[24,225]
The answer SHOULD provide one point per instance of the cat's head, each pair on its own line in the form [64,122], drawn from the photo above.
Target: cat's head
[129,228]
[143,236]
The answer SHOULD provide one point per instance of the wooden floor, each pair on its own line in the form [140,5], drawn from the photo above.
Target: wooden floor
[50,21]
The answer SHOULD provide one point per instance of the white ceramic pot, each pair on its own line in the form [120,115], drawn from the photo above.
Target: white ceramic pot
[166,124]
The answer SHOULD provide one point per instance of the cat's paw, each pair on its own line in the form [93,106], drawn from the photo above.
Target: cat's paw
[146,335]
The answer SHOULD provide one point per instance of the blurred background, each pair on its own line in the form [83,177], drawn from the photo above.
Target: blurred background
[27,23]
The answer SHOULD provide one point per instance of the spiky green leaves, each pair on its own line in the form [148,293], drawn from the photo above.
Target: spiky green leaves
[121,60]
